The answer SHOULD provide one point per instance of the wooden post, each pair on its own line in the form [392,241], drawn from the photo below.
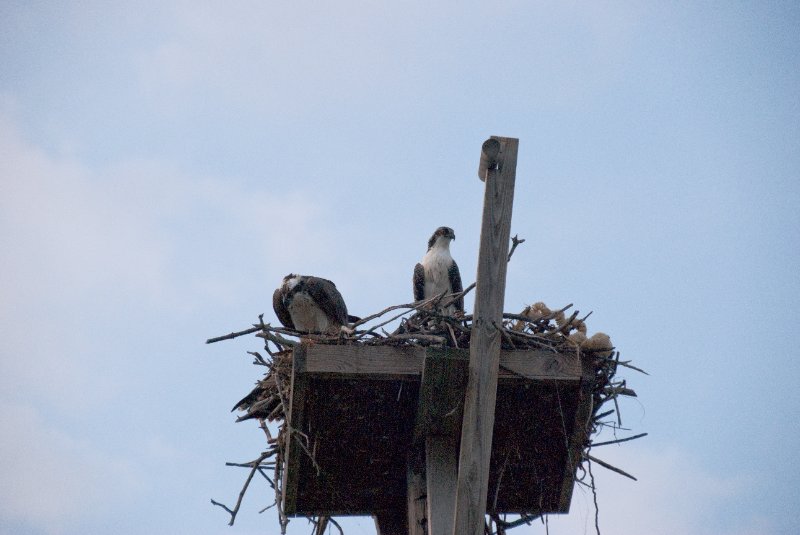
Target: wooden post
[441,394]
[484,360]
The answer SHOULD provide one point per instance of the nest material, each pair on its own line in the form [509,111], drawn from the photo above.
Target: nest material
[536,327]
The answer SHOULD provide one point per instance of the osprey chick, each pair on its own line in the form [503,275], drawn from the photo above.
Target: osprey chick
[438,272]
[310,304]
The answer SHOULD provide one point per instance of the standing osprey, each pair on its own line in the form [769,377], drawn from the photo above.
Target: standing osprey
[438,272]
[310,304]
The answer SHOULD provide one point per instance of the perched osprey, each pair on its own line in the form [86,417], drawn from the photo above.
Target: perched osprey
[310,304]
[438,272]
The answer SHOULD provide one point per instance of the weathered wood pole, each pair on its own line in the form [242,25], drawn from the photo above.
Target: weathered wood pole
[484,355]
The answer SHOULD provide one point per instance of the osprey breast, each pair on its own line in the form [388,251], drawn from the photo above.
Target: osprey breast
[306,315]
[436,265]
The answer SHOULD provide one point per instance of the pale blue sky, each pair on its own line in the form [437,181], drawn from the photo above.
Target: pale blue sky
[163,165]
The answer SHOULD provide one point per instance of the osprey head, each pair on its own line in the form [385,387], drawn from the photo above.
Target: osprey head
[292,284]
[444,232]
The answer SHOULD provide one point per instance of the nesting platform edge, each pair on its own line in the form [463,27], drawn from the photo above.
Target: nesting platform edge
[357,413]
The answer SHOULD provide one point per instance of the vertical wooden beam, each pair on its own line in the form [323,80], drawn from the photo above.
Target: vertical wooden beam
[484,360]
[444,378]
[295,420]
[415,497]
[441,471]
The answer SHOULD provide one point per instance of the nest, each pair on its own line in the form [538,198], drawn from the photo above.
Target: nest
[422,324]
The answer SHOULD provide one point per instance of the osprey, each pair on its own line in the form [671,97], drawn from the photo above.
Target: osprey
[310,304]
[438,272]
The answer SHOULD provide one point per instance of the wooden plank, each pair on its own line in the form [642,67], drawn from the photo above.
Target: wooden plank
[441,473]
[391,362]
[391,522]
[407,362]
[539,365]
[580,432]
[295,420]
[441,393]
[415,498]
[438,424]
[479,403]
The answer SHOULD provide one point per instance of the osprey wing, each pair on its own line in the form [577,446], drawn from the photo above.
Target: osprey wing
[328,298]
[455,284]
[280,309]
[419,282]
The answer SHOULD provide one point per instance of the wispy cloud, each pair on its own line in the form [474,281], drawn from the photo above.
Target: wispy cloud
[674,494]
[88,247]
[50,479]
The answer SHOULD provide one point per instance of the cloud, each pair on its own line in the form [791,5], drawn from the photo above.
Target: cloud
[92,252]
[51,479]
[277,60]
[673,494]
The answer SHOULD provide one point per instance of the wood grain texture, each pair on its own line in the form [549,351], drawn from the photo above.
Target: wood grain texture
[392,362]
[407,362]
[441,470]
[438,425]
[295,421]
[580,431]
[479,403]
[415,499]
[441,394]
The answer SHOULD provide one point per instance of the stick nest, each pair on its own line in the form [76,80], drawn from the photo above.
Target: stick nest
[421,324]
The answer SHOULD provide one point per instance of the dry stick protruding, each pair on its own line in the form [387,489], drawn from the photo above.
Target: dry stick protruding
[233,512]
[233,335]
[410,306]
[594,496]
[514,242]
[617,441]
[610,467]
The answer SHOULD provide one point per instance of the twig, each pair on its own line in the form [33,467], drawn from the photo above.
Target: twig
[594,496]
[459,295]
[259,359]
[277,339]
[523,519]
[504,334]
[612,468]
[233,512]
[626,363]
[603,414]
[232,335]
[514,242]
[320,525]
[411,306]
[411,336]
[335,523]
[619,440]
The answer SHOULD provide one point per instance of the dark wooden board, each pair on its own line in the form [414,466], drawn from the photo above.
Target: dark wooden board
[361,428]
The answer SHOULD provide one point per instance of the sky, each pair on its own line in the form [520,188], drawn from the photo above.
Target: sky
[163,165]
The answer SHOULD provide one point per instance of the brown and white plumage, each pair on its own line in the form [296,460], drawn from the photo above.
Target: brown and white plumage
[438,272]
[310,304]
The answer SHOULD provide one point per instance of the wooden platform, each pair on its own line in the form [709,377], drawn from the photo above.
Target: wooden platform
[366,411]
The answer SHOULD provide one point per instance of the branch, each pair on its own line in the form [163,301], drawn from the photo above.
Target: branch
[233,512]
[232,335]
[459,295]
[413,336]
[514,242]
[619,440]
[608,466]
[411,306]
